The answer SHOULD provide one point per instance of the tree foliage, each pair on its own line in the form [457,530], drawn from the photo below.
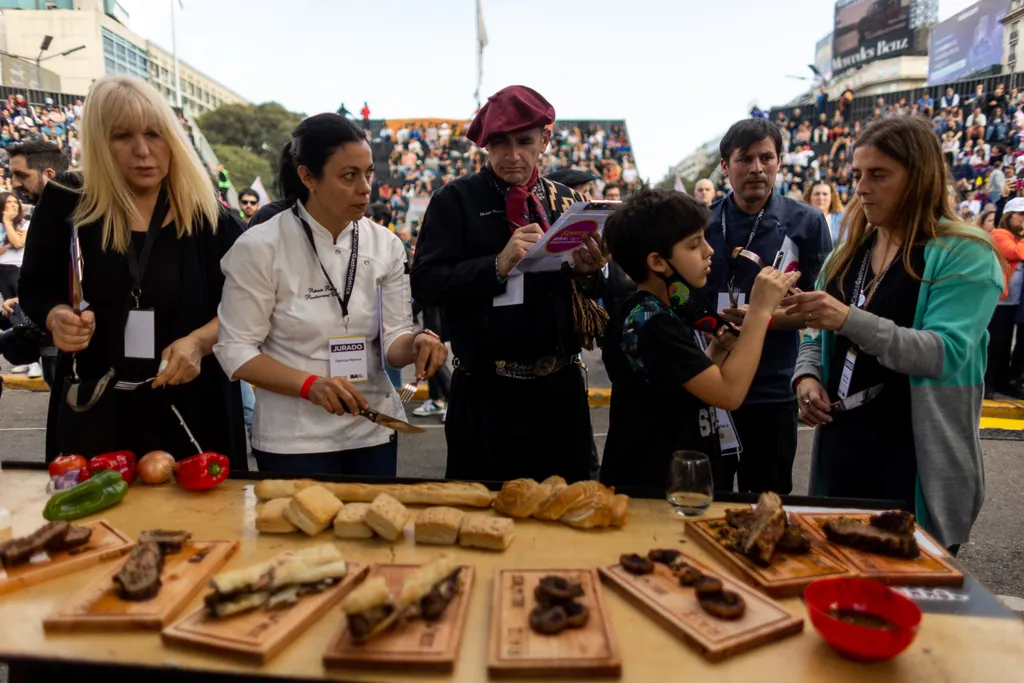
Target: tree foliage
[244,166]
[262,129]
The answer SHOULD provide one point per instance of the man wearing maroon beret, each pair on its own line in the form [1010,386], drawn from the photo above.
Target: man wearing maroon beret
[518,404]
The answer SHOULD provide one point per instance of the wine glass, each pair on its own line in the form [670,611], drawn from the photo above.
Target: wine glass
[690,487]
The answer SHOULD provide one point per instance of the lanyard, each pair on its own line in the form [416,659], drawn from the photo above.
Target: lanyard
[858,285]
[353,260]
[137,262]
[728,257]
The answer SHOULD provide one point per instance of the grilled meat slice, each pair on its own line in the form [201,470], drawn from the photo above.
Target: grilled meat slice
[77,535]
[21,550]
[855,534]
[896,521]
[434,603]
[740,518]
[364,624]
[768,527]
[794,541]
[139,578]
[170,542]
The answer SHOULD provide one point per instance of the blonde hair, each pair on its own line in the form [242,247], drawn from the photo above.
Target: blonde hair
[927,209]
[117,103]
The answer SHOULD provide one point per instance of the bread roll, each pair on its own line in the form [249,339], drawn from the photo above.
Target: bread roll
[438,525]
[312,509]
[387,516]
[351,521]
[484,531]
[521,498]
[271,520]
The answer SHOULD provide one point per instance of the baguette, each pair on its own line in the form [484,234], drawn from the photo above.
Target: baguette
[456,493]
[268,489]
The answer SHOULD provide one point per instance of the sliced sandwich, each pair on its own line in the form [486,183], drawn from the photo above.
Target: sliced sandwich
[387,516]
[429,590]
[370,609]
[351,521]
[312,509]
[277,582]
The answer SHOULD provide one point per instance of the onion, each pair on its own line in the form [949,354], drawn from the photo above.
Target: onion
[156,467]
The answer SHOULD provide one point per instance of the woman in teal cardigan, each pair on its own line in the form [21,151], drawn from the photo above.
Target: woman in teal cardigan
[903,306]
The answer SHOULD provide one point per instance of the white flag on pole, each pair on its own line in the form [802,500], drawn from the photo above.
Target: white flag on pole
[257,187]
[481,43]
[679,185]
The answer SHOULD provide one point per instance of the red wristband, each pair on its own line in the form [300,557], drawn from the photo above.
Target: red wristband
[771,321]
[306,386]
[799,379]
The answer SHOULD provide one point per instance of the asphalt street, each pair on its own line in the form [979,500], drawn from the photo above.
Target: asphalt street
[995,554]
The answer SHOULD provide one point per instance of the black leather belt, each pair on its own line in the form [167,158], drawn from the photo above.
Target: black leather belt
[515,369]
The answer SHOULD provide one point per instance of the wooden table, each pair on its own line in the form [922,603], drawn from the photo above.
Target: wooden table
[948,648]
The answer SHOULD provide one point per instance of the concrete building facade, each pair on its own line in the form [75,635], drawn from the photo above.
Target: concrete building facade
[108,46]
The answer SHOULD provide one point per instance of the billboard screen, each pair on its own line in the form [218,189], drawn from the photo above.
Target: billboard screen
[967,43]
[823,57]
[868,30]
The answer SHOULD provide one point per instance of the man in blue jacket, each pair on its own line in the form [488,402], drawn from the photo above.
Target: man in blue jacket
[755,218]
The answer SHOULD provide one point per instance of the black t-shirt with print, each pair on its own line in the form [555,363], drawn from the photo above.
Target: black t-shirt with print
[652,415]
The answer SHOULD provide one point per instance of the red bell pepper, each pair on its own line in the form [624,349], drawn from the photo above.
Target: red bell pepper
[65,463]
[122,462]
[201,472]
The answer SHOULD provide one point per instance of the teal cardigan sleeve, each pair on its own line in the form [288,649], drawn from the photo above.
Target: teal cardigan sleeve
[961,285]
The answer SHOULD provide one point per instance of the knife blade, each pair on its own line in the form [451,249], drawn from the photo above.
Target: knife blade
[858,399]
[388,422]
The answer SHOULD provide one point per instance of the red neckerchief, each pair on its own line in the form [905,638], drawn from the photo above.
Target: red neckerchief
[522,206]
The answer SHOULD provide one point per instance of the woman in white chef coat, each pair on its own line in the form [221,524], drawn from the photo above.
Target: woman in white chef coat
[313,298]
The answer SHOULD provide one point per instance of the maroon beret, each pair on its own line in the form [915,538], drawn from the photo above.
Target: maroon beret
[516,107]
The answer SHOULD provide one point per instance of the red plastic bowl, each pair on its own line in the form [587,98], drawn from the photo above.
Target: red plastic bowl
[861,642]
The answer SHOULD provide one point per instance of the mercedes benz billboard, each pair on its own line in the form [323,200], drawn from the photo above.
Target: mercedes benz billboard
[868,30]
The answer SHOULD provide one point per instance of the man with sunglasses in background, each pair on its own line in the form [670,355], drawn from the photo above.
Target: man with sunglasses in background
[249,203]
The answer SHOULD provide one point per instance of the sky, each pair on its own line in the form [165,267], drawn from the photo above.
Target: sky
[678,71]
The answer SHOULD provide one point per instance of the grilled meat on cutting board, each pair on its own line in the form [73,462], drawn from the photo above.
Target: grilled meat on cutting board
[139,578]
[768,527]
[52,537]
[170,542]
[870,538]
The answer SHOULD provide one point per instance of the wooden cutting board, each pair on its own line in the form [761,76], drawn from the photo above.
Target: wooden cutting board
[106,542]
[97,606]
[676,608]
[259,635]
[415,645]
[516,650]
[788,574]
[930,569]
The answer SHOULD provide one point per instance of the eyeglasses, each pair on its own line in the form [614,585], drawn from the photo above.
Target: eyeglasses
[248,202]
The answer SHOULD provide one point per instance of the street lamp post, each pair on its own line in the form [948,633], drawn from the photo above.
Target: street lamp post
[39,59]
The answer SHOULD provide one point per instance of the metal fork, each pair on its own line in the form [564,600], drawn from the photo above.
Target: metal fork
[131,386]
[408,391]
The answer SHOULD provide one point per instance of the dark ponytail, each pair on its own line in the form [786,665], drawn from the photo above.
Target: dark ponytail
[312,144]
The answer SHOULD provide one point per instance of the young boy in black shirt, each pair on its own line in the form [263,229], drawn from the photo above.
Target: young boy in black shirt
[665,399]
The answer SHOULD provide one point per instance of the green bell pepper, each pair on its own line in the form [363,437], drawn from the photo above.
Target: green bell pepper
[102,491]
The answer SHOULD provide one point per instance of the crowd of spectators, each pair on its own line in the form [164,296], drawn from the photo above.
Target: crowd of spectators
[23,122]
[423,156]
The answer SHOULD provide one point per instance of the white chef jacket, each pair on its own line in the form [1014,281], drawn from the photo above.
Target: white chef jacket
[276,301]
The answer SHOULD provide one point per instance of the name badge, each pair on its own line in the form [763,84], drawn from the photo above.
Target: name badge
[724,302]
[349,358]
[140,334]
[844,380]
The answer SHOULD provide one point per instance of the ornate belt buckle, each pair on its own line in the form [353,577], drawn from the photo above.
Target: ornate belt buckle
[546,365]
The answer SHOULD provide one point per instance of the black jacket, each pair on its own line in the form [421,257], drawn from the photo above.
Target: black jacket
[211,404]
[463,231]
